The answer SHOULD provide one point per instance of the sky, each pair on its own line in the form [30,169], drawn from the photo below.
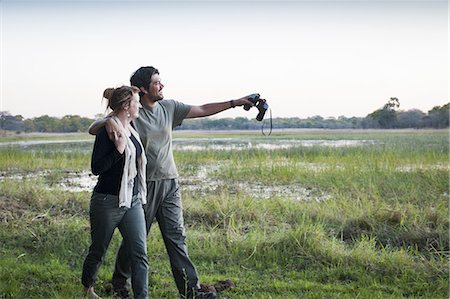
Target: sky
[306,58]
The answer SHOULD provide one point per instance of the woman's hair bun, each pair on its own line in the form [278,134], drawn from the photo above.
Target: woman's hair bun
[108,93]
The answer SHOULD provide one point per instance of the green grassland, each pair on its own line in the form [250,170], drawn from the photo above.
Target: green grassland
[381,231]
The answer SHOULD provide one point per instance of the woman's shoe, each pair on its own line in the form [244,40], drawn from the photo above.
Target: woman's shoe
[90,293]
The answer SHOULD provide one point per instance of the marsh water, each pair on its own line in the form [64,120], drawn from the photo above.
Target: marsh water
[203,179]
[197,144]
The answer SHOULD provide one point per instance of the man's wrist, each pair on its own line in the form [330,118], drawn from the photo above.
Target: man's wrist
[232,104]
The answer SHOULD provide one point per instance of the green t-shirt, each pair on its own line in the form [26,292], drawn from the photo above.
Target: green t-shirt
[155,126]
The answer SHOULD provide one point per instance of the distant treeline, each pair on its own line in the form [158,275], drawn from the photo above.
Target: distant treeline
[386,117]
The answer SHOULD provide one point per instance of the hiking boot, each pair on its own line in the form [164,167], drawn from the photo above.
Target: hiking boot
[205,295]
[199,294]
[223,285]
[206,287]
[121,294]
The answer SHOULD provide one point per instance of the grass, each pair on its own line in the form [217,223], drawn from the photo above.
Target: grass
[382,232]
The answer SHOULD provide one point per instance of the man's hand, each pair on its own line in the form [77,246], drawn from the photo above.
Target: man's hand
[120,142]
[112,128]
[243,101]
[115,134]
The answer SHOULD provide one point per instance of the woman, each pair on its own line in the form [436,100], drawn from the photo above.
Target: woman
[117,199]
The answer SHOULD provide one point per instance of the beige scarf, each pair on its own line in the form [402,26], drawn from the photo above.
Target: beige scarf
[130,171]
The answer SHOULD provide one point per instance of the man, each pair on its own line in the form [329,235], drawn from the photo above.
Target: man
[157,119]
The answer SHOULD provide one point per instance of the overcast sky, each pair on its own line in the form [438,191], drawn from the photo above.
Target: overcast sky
[307,58]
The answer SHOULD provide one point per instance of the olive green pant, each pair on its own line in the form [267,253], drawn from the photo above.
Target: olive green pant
[105,216]
[164,204]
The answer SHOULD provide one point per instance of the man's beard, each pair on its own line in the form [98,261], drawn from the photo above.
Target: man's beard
[157,97]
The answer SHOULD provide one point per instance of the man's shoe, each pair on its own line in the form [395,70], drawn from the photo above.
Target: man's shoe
[205,295]
[206,287]
[223,285]
[121,294]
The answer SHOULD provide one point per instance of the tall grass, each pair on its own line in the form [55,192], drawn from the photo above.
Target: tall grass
[56,157]
[382,232]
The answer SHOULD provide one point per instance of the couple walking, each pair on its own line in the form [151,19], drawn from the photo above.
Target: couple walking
[138,182]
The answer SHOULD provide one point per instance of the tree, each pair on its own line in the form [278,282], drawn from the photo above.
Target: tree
[74,123]
[438,117]
[11,123]
[386,116]
[410,119]
[45,123]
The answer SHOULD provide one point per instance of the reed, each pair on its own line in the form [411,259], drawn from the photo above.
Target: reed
[381,231]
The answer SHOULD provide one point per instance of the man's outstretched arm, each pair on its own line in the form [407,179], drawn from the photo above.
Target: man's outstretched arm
[214,108]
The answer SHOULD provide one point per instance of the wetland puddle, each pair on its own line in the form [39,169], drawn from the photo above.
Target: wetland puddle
[202,182]
[228,144]
[196,144]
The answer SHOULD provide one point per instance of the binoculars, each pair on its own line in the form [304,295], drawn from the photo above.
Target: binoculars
[259,103]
